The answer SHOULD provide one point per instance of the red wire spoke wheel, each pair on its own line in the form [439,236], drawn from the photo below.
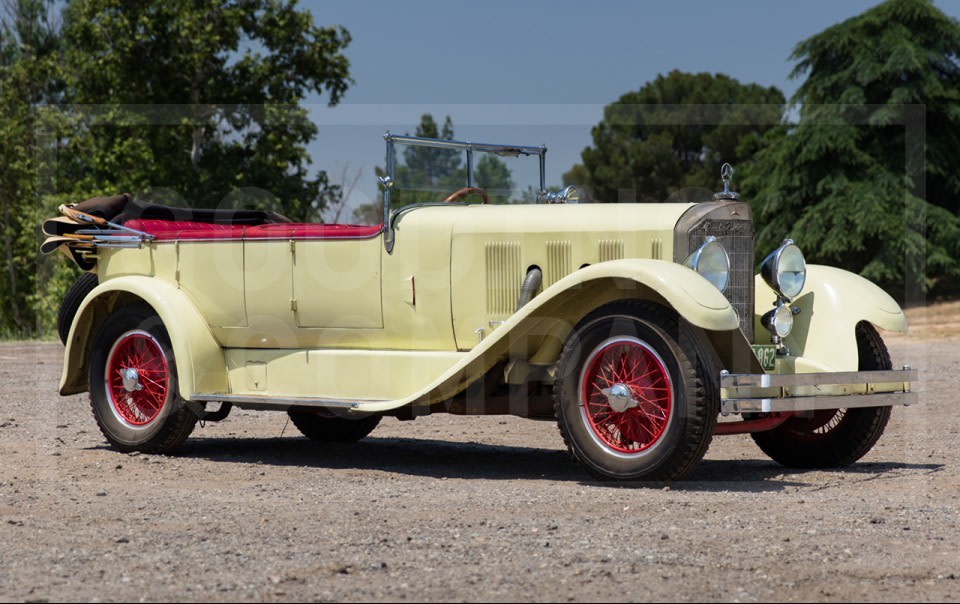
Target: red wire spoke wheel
[134,394]
[626,396]
[137,378]
[636,396]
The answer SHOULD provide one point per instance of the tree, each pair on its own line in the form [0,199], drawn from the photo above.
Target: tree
[225,81]
[29,75]
[853,181]
[344,183]
[217,88]
[493,175]
[423,173]
[673,133]
[428,175]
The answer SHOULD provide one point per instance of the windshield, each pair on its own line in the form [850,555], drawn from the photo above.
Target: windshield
[429,171]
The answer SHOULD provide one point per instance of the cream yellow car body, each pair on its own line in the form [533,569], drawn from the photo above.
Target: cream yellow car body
[345,320]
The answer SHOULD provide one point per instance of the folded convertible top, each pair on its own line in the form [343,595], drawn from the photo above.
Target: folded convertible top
[121,208]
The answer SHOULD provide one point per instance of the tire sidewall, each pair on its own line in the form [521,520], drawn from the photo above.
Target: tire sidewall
[585,447]
[120,433]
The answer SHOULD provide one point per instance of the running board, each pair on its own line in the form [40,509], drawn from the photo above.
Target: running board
[278,403]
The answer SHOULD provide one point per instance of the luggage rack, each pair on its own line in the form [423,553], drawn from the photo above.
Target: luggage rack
[79,235]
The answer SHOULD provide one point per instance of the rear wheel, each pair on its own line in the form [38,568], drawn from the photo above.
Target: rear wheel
[833,438]
[133,384]
[634,396]
[327,426]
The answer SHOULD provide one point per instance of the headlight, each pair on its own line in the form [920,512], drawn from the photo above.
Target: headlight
[785,270]
[779,321]
[712,262]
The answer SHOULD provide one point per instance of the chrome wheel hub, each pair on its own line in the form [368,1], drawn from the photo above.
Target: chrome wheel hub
[619,397]
[131,380]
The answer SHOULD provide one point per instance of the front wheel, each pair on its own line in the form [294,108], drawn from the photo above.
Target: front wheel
[833,438]
[634,397]
[133,384]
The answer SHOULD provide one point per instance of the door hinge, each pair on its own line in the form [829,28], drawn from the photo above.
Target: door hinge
[293,304]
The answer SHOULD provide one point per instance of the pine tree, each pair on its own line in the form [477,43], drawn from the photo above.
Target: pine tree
[869,178]
[674,134]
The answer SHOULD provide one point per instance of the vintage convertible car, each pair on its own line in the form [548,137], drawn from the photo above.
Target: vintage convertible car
[642,329]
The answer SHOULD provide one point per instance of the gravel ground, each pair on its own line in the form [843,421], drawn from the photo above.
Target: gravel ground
[452,508]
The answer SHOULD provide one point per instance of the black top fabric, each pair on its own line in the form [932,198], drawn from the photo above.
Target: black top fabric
[143,211]
[122,208]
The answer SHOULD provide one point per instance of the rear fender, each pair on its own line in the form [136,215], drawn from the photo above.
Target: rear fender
[199,358]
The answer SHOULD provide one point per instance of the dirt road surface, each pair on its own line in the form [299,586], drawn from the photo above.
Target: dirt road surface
[452,508]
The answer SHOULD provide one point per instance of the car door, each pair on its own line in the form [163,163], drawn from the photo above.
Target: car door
[336,278]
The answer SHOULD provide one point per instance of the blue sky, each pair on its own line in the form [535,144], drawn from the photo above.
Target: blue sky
[538,72]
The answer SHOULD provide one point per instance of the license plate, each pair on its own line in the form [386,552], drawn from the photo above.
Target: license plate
[766,354]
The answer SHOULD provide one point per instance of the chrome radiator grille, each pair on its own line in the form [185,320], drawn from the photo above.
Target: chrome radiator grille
[732,225]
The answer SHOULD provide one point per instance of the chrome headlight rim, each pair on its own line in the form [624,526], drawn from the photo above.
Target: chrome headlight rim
[771,270]
[704,261]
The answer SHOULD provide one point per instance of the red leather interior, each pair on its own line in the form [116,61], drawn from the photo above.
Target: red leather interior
[312,231]
[165,230]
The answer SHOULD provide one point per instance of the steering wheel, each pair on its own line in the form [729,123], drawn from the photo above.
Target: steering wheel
[457,195]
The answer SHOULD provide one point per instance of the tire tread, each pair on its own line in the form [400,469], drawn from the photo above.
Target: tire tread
[71,303]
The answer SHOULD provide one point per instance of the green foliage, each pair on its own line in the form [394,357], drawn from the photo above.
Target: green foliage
[674,133]
[29,74]
[225,82]
[429,175]
[861,181]
[493,175]
[179,102]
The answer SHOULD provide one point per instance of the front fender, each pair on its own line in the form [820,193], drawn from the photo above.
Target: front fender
[199,358]
[536,332]
[693,297]
[832,303]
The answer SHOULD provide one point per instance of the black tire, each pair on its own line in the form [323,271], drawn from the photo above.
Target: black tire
[151,418]
[71,303]
[669,435]
[838,437]
[327,426]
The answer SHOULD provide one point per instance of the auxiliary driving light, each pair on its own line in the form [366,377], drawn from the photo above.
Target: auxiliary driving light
[779,321]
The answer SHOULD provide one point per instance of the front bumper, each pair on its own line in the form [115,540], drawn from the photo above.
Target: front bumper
[778,393]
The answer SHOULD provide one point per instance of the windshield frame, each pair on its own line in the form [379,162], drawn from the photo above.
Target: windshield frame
[469,147]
